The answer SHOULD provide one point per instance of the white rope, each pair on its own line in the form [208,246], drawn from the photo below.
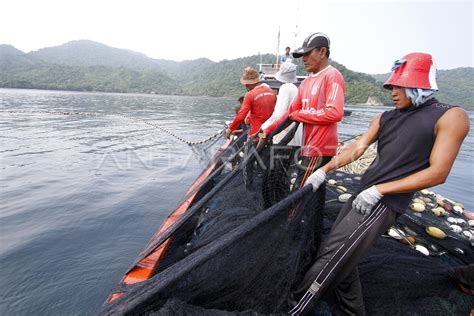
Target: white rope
[360,165]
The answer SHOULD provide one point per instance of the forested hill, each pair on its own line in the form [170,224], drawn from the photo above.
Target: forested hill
[90,66]
[456,86]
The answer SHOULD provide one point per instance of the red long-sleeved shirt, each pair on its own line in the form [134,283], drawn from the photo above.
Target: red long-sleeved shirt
[260,102]
[319,106]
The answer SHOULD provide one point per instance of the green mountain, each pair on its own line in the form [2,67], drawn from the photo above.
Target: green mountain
[83,66]
[456,86]
[360,87]
[86,78]
[89,53]
[11,57]
[90,66]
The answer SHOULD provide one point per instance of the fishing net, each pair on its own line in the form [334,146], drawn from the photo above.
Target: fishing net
[239,258]
[241,250]
[278,179]
[411,223]
[396,279]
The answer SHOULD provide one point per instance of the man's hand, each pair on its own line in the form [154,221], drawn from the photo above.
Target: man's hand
[291,116]
[261,138]
[247,120]
[228,132]
[365,201]
[316,179]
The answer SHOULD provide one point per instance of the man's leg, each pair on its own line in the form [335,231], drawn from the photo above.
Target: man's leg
[349,294]
[350,238]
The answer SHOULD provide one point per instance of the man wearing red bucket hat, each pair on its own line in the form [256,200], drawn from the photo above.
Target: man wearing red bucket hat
[418,142]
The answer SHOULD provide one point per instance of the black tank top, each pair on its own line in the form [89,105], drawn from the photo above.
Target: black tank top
[405,140]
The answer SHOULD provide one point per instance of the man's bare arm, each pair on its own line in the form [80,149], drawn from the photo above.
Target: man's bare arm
[451,129]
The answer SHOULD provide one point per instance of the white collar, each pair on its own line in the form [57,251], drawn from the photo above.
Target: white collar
[317,74]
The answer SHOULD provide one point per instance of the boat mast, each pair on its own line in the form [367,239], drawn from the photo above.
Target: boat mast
[278,46]
[296,27]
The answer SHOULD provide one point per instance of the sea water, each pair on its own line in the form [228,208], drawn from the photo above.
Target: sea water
[87,178]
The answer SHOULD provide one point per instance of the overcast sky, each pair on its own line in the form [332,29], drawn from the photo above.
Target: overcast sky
[366,36]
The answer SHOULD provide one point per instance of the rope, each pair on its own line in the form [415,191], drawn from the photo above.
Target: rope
[360,165]
[203,141]
[350,138]
[136,120]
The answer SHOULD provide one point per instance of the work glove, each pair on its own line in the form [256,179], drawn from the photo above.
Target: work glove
[365,201]
[316,179]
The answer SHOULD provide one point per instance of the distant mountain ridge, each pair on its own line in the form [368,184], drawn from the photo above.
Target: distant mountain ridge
[12,57]
[89,53]
[85,65]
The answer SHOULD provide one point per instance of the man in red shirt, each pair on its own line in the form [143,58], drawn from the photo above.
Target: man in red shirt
[319,105]
[258,103]
[257,107]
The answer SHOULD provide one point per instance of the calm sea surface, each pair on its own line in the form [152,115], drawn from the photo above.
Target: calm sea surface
[81,194]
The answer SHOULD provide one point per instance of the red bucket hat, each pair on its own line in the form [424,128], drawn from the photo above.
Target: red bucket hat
[415,70]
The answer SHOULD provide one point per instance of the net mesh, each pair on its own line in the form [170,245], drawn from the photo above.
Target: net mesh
[395,278]
[245,250]
[247,247]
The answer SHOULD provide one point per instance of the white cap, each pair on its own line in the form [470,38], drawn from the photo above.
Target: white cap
[287,73]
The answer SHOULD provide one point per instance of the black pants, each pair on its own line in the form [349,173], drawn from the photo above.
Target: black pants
[351,237]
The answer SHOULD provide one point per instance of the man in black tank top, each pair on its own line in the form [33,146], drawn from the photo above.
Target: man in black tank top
[418,142]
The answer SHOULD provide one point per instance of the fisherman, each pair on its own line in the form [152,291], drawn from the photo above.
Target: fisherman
[237,108]
[319,106]
[287,56]
[286,95]
[258,105]
[418,142]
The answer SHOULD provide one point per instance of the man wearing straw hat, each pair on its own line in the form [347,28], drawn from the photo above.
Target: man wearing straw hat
[257,107]
[259,103]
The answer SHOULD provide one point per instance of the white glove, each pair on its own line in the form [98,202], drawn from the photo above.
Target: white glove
[365,201]
[316,179]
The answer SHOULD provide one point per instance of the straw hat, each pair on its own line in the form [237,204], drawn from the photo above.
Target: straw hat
[250,76]
[287,73]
